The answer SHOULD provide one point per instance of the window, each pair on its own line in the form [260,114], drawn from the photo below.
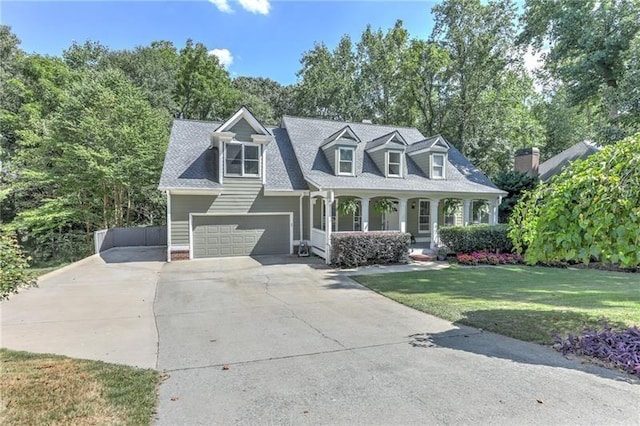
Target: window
[424,225]
[345,161]
[437,166]
[357,218]
[394,163]
[334,222]
[242,159]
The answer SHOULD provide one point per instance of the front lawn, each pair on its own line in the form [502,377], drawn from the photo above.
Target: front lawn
[528,303]
[56,390]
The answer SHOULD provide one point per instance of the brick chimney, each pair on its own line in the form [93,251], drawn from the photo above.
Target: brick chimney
[527,160]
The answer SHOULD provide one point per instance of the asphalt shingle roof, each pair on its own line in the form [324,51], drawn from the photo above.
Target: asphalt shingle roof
[557,163]
[295,156]
[308,134]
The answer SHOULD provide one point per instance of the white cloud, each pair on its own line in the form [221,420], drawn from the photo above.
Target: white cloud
[255,6]
[224,56]
[532,60]
[222,5]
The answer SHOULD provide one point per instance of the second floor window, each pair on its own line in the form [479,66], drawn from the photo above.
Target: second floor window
[394,164]
[242,160]
[437,166]
[345,161]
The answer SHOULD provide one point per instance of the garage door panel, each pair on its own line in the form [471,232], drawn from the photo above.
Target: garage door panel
[217,236]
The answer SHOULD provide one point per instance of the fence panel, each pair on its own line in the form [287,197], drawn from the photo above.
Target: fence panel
[105,239]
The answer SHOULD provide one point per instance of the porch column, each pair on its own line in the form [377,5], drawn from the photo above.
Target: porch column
[364,211]
[433,217]
[311,205]
[493,212]
[402,214]
[328,204]
[466,209]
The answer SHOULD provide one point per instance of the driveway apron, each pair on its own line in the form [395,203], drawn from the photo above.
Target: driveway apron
[276,340]
[99,308]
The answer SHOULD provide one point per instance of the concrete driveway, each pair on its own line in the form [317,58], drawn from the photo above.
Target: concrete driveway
[267,341]
[99,308]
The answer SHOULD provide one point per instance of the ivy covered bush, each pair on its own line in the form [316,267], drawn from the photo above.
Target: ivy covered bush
[469,239]
[589,212]
[351,249]
[13,266]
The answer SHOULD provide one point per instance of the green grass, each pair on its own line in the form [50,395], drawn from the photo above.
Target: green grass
[56,390]
[528,303]
[41,268]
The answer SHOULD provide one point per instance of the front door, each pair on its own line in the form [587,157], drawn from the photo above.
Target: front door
[391,220]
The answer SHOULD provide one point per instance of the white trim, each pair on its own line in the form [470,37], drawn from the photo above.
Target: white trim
[444,166]
[243,112]
[300,216]
[242,173]
[284,193]
[353,161]
[192,215]
[179,247]
[195,191]
[168,226]
[428,231]
[386,163]
[437,149]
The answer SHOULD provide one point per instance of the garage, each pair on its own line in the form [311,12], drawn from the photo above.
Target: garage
[246,235]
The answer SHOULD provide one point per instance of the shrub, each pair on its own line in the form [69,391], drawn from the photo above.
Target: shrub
[467,239]
[13,267]
[351,249]
[619,348]
[515,183]
[590,211]
[483,258]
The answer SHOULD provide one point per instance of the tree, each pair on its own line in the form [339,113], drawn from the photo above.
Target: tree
[588,212]
[203,88]
[267,99]
[479,40]
[588,44]
[13,267]
[515,183]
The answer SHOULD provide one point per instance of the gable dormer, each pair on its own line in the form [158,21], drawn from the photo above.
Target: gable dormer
[387,152]
[431,155]
[240,142]
[340,150]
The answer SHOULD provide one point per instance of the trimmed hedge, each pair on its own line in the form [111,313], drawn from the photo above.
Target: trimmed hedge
[351,249]
[469,239]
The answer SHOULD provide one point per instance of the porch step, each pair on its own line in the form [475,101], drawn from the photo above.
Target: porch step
[423,257]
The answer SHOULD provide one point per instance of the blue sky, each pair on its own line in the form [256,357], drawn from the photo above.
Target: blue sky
[264,37]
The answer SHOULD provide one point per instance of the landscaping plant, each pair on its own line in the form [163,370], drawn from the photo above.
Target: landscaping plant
[618,348]
[13,267]
[590,211]
[352,249]
[467,239]
[484,258]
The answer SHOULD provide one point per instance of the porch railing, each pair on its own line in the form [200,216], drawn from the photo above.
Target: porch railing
[318,241]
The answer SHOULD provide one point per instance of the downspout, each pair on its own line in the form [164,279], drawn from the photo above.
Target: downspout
[168,226]
[300,222]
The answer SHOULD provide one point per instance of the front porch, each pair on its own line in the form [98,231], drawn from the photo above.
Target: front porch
[420,214]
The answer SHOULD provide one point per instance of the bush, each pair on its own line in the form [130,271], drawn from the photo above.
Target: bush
[13,267]
[515,183]
[619,348]
[350,249]
[467,239]
[590,211]
[483,258]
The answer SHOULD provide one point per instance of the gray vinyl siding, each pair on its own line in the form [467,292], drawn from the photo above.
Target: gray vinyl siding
[330,153]
[243,131]
[240,195]
[423,160]
[378,159]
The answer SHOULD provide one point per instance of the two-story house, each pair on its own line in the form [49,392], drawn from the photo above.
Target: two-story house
[239,188]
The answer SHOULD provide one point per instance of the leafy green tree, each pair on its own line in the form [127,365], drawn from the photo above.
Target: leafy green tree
[589,211]
[588,44]
[267,99]
[203,88]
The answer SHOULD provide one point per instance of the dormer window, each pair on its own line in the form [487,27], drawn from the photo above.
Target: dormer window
[242,159]
[437,166]
[394,164]
[345,161]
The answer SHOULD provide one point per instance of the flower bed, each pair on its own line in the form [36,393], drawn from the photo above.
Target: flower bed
[618,348]
[483,258]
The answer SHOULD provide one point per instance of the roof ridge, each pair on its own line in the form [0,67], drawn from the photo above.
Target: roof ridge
[191,120]
[350,122]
